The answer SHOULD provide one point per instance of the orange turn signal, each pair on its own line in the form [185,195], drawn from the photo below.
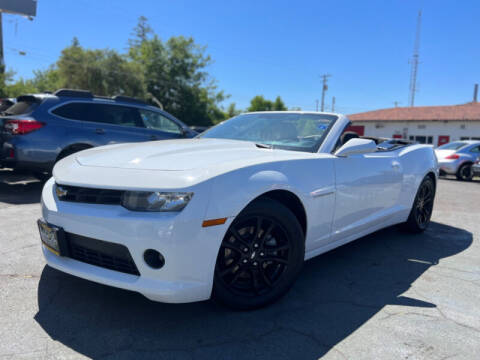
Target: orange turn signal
[214,222]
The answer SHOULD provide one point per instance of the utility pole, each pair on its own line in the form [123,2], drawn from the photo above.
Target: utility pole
[324,88]
[333,104]
[316,107]
[414,62]
[2,61]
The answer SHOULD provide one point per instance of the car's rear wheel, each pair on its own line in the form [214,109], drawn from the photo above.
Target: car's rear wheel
[465,173]
[260,256]
[421,212]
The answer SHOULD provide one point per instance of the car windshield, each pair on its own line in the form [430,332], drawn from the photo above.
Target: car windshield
[288,131]
[452,146]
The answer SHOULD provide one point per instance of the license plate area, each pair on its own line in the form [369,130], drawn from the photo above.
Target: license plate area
[53,237]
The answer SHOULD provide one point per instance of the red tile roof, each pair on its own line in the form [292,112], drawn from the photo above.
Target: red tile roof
[470,111]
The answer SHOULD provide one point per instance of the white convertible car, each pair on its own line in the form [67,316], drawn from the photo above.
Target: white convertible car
[233,213]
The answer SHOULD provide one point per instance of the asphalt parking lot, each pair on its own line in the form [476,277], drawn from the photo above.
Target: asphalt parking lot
[389,295]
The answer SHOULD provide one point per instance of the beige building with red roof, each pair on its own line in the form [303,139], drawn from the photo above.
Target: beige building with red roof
[435,125]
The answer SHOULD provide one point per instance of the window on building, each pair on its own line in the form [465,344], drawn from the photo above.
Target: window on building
[422,139]
[469,138]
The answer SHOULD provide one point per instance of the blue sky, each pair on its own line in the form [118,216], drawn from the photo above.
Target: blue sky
[281,47]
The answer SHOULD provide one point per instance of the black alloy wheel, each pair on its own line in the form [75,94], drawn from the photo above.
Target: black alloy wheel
[465,172]
[422,206]
[260,256]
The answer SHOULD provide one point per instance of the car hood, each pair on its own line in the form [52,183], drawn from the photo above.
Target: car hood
[174,155]
[166,163]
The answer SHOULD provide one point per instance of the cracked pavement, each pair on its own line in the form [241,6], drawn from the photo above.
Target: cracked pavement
[390,295]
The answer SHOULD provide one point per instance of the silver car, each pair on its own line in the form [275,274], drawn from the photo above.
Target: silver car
[456,158]
[476,167]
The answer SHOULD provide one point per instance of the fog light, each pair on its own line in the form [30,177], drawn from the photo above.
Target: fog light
[154,259]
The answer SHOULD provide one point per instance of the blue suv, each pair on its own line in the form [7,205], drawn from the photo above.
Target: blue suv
[41,129]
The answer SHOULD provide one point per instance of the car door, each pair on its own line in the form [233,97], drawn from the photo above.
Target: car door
[159,126]
[111,123]
[367,189]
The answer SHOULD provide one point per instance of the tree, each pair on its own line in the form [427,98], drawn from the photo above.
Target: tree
[259,103]
[232,111]
[279,105]
[141,32]
[103,72]
[174,73]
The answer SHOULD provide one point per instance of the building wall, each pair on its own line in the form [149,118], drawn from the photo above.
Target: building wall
[443,130]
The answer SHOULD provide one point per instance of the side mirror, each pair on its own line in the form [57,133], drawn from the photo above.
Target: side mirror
[356,146]
[185,132]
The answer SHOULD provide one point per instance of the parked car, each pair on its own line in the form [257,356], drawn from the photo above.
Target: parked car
[232,213]
[456,158]
[41,129]
[476,167]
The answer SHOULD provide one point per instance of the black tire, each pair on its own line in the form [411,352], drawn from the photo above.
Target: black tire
[251,274]
[43,176]
[421,212]
[465,173]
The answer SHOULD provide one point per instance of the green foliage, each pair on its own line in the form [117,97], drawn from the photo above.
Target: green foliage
[259,103]
[174,73]
[232,111]
[103,72]
[8,88]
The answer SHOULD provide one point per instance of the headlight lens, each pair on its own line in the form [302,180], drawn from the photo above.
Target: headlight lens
[155,201]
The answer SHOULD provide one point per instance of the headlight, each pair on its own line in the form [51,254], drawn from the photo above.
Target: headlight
[155,201]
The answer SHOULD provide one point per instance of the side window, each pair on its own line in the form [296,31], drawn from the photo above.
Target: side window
[157,121]
[74,111]
[114,115]
[475,150]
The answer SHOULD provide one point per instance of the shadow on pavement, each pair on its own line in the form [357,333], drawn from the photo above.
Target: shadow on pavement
[334,296]
[19,188]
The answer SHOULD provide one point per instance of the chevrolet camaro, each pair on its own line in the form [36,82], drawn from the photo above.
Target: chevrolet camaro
[233,213]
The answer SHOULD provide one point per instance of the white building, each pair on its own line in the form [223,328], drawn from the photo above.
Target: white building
[435,125]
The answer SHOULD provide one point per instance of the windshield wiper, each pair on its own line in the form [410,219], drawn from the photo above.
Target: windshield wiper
[264,146]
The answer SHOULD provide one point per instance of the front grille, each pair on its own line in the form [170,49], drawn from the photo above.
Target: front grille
[101,253]
[89,195]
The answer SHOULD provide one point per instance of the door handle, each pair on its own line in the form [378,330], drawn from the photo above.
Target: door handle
[100,131]
[395,165]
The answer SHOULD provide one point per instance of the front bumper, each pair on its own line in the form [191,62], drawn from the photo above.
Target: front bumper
[190,251]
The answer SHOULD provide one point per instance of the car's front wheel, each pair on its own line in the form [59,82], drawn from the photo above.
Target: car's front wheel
[260,256]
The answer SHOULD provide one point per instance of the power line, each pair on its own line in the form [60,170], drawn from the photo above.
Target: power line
[414,62]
